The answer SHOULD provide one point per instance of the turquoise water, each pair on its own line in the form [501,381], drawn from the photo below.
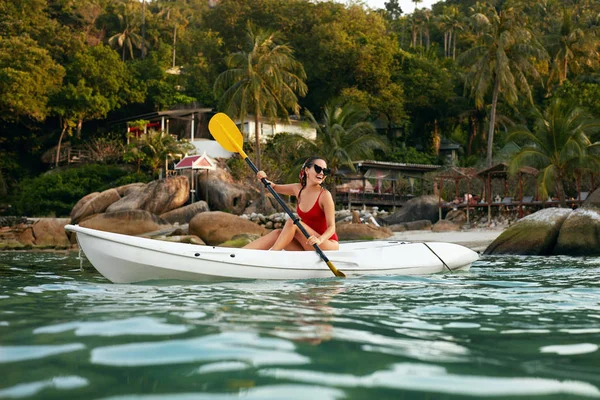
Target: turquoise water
[512,327]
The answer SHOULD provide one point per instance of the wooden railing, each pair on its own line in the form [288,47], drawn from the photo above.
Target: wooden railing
[372,199]
[71,155]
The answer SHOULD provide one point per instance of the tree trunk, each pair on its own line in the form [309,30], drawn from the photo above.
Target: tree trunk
[564,71]
[473,135]
[174,43]
[454,46]
[561,192]
[446,44]
[257,139]
[62,134]
[79,126]
[490,142]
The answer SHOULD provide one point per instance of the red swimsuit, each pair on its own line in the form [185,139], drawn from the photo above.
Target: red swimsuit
[315,217]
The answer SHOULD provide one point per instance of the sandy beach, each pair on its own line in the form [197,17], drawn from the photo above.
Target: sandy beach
[475,239]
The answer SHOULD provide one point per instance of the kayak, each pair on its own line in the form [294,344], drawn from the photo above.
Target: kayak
[129,259]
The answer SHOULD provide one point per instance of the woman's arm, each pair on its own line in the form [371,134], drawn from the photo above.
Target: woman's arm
[290,189]
[329,210]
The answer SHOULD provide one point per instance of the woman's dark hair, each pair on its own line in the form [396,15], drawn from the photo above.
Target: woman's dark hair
[307,164]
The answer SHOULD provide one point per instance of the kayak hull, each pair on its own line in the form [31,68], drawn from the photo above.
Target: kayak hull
[128,259]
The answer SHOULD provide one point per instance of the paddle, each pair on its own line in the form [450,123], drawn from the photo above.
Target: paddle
[229,136]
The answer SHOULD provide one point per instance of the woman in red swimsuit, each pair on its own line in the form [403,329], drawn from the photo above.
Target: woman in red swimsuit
[315,209]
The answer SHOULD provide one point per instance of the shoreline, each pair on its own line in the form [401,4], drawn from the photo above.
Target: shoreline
[475,239]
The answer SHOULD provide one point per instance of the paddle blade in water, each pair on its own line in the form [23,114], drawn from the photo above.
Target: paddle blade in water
[225,131]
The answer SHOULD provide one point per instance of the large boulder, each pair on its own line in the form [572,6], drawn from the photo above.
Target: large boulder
[128,222]
[222,193]
[270,206]
[421,225]
[444,225]
[362,232]
[535,234]
[580,234]
[185,214]
[50,233]
[216,227]
[90,205]
[593,200]
[423,207]
[130,188]
[157,197]
[82,202]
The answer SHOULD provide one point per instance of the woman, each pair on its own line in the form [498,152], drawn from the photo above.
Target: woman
[315,209]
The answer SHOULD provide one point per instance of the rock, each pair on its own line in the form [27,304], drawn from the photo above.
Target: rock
[132,187]
[24,234]
[85,199]
[535,234]
[421,225]
[356,217]
[90,205]
[157,197]
[185,214]
[216,227]
[50,233]
[445,226]
[362,232]
[239,241]
[132,222]
[190,239]
[580,234]
[419,208]
[223,194]
[593,200]
[459,217]
[271,206]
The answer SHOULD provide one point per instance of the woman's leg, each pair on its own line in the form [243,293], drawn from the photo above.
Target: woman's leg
[326,245]
[264,242]
[290,234]
[286,236]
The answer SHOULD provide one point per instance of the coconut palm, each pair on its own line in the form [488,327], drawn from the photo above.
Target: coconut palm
[558,147]
[502,62]
[572,46]
[153,147]
[264,79]
[343,135]
[127,38]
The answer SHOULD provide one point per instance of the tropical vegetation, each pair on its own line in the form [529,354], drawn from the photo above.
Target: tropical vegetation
[73,72]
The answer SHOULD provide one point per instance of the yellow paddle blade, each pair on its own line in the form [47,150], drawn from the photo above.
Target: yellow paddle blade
[226,133]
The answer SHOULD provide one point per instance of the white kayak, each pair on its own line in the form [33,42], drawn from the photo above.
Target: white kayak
[126,259]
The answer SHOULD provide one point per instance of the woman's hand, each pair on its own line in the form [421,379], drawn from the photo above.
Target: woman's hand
[260,175]
[312,240]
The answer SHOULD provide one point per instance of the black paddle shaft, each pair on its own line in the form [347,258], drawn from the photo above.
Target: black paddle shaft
[287,210]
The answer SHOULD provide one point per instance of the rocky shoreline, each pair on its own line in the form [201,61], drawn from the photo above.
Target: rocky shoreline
[160,210]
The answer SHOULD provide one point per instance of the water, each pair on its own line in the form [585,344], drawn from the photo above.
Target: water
[512,327]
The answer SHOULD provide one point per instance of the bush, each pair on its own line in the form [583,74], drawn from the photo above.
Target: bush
[55,193]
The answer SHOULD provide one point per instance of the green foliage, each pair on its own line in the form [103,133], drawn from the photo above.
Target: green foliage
[263,79]
[152,148]
[57,192]
[559,146]
[28,77]
[410,155]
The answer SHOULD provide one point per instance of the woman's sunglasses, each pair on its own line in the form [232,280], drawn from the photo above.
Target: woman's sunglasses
[318,170]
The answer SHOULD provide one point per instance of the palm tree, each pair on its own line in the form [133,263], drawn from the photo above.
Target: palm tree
[127,39]
[153,147]
[571,46]
[343,135]
[558,147]
[264,79]
[501,62]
